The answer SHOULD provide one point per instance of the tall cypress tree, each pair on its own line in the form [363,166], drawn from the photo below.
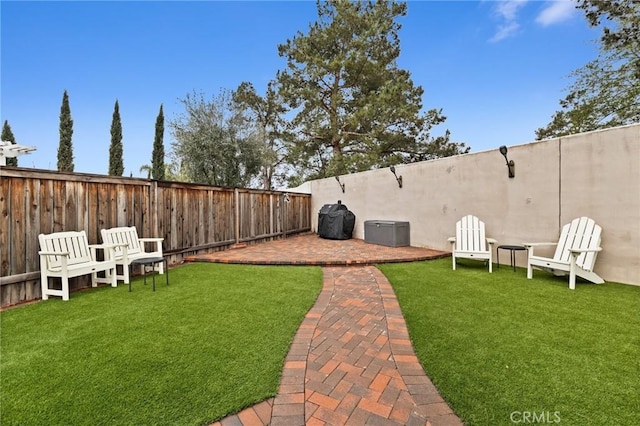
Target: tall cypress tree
[65,149]
[157,157]
[7,136]
[116,165]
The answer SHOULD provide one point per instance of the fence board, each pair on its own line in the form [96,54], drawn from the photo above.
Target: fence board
[70,206]
[46,209]
[59,195]
[18,219]
[122,218]
[112,212]
[33,225]
[5,224]
[92,201]
[82,208]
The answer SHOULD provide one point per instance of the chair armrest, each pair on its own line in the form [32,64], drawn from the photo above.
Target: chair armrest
[44,260]
[53,253]
[530,247]
[124,249]
[452,240]
[578,251]
[156,241]
[539,244]
[109,250]
[104,246]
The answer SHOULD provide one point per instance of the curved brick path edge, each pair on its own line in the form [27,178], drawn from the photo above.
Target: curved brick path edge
[351,362]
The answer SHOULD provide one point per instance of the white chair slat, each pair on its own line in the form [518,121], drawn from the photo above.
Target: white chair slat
[562,253]
[480,236]
[461,242]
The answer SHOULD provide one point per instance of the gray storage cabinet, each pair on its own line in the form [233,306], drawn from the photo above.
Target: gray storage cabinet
[390,233]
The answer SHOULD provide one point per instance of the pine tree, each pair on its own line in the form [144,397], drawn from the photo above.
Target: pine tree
[355,108]
[65,149]
[7,136]
[116,165]
[157,157]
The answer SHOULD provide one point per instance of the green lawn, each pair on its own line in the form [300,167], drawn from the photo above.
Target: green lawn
[499,346]
[210,344]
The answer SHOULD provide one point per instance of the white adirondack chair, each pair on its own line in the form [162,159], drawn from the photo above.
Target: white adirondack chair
[471,242]
[575,253]
[129,247]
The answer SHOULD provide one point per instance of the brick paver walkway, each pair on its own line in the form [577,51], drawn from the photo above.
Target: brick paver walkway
[351,361]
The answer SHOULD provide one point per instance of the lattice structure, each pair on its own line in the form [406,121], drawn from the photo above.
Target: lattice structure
[12,150]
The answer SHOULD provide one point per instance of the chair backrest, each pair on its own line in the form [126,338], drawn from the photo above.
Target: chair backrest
[73,242]
[123,235]
[581,233]
[470,234]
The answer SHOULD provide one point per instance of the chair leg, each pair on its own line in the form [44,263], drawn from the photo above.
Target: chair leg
[572,273]
[125,273]
[44,285]
[453,257]
[65,288]
[112,274]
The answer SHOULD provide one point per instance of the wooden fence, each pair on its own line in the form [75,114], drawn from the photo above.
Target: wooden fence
[191,218]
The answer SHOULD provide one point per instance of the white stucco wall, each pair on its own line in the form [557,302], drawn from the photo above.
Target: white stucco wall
[594,174]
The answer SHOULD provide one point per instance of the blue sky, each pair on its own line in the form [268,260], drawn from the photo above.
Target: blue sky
[496,68]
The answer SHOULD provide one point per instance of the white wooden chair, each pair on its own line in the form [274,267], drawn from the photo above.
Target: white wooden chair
[471,242]
[575,253]
[129,247]
[66,255]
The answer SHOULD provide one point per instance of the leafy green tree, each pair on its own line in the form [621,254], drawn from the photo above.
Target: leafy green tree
[355,109]
[214,144]
[116,165]
[65,149]
[157,156]
[174,171]
[266,112]
[7,136]
[606,91]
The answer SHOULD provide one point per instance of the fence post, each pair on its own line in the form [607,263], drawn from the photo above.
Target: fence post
[236,202]
[153,197]
[285,214]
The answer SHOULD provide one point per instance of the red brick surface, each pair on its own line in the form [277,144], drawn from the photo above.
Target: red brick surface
[309,249]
